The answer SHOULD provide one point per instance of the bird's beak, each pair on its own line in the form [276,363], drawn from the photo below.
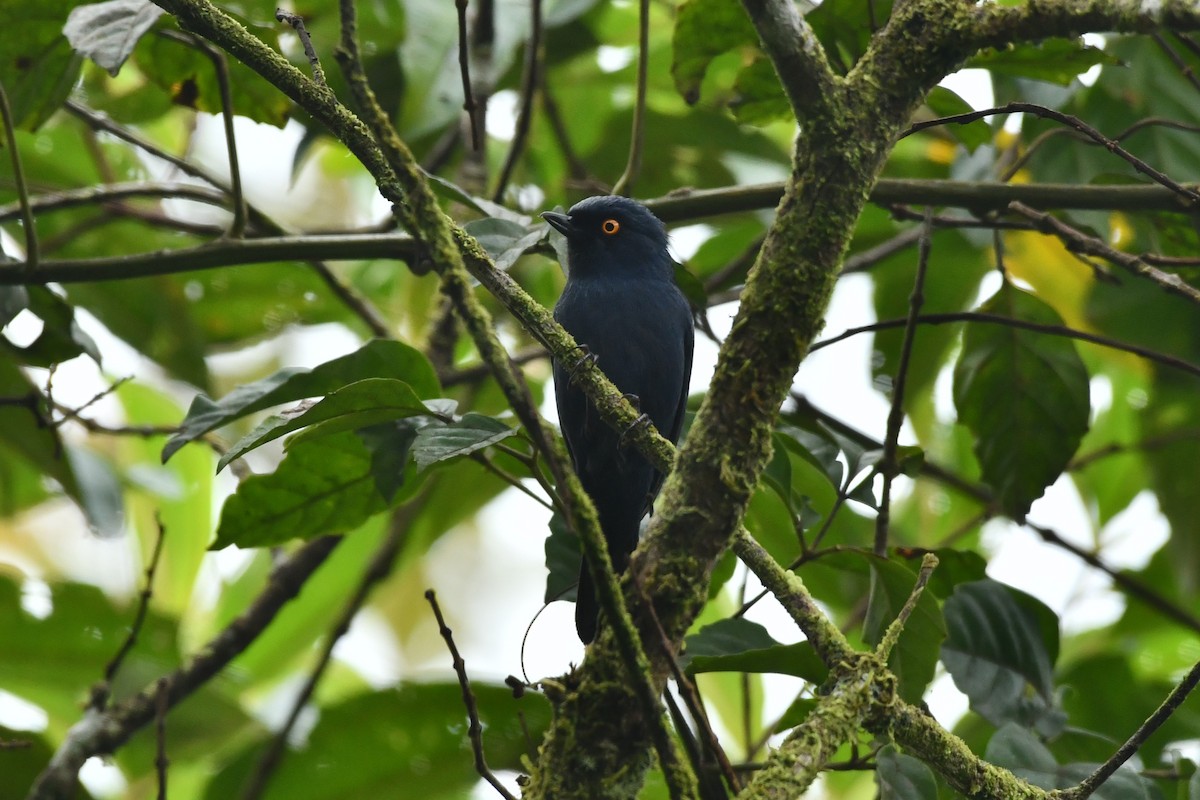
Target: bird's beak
[560,222]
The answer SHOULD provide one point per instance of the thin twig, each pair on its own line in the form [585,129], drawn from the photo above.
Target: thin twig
[10,140]
[464,68]
[1013,322]
[101,693]
[1078,241]
[1184,68]
[1072,122]
[1139,737]
[354,300]
[530,78]
[221,67]
[297,23]
[638,134]
[892,636]
[475,729]
[861,262]
[888,466]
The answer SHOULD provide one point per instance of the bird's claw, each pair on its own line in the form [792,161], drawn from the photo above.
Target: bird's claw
[643,421]
[587,359]
[634,401]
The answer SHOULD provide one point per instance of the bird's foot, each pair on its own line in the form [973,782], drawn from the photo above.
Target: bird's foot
[641,422]
[587,359]
[634,400]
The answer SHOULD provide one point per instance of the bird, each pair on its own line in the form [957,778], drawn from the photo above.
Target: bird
[622,306]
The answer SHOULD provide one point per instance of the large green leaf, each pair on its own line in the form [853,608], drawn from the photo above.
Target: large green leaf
[38,68]
[323,485]
[902,777]
[441,441]
[376,359]
[356,405]
[1024,395]
[61,338]
[22,432]
[739,645]
[703,30]
[999,642]
[190,78]
[410,741]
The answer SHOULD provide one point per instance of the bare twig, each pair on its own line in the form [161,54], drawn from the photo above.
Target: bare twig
[1155,721]
[1078,241]
[998,319]
[221,68]
[100,694]
[475,729]
[888,466]
[1071,122]
[530,79]
[297,23]
[637,136]
[10,140]
[464,67]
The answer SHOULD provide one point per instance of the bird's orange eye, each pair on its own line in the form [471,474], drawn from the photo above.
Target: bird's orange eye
[610,226]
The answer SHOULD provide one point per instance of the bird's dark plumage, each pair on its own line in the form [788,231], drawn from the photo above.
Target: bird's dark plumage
[621,302]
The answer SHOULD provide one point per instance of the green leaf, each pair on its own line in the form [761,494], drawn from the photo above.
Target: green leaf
[703,30]
[100,494]
[61,338]
[323,485]
[1055,60]
[504,239]
[758,97]
[914,658]
[945,103]
[23,433]
[51,660]
[356,405]
[153,315]
[1024,395]
[380,358]
[738,645]
[997,644]
[563,559]
[190,78]
[439,441]
[1019,750]
[413,736]
[107,32]
[13,300]
[38,68]
[902,777]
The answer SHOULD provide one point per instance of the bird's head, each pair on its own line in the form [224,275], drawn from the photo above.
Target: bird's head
[611,235]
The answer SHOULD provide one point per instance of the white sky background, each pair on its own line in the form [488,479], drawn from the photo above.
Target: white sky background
[490,577]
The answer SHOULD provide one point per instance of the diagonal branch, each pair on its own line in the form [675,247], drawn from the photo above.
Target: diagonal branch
[799,58]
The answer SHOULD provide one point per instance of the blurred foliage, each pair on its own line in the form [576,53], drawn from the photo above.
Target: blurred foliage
[369,430]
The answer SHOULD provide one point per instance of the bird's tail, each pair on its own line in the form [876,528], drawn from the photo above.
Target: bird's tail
[587,610]
[587,606]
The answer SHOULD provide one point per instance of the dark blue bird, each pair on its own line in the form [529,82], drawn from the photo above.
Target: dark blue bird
[622,304]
